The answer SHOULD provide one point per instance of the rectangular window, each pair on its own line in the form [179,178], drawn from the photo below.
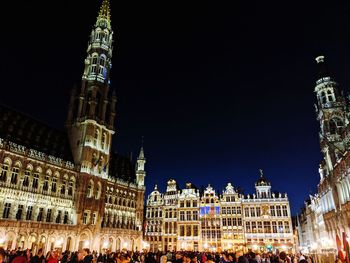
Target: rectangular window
[14,175]
[195,215]
[286,227]
[46,184]
[223,210]
[285,211]
[234,221]
[260,227]
[40,214]
[247,227]
[65,218]
[228,209]
[182,216]
[29,213]
[182,204]
[278,208]
[54,185]
[239,221]
[3,176]
[224,222]
[272,210]
[182,230]
[26,178]
[234,211]
[6,213]
[188,231]
[227,199]
[280,227]
[246,212]
[19,212]
[48,215]
[35,180]
[254,229]
[258,211]
[188,215]
[252,211]
[188,203]
[58,218]
[194,203]
[239,211]
[267,227]
[195,230]
[229,221]
[274,227]
[85,218]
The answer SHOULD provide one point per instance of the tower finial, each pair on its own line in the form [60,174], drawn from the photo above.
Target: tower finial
[261,173]
[105,11]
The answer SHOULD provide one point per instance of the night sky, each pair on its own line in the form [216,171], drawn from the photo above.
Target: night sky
[219,89]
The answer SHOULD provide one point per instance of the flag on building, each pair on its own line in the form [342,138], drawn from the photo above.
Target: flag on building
[339,248]
[346,248]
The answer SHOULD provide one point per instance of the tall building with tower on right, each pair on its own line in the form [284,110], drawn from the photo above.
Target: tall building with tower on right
[326,215]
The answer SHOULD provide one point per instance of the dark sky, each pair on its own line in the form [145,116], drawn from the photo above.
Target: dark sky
[219,89]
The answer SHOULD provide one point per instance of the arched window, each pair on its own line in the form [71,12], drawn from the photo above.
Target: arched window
[14,174]
[35,180]
[98,191]
[96,136]
[90,189]
[4,171]
[26,178]
[103,141]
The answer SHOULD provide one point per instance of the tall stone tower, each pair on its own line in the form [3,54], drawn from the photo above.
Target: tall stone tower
[332,113]
[91,115]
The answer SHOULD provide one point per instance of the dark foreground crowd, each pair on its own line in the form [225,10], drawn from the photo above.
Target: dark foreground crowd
[85,256]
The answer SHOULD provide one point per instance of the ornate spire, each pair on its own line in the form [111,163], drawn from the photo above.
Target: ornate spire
[105,11]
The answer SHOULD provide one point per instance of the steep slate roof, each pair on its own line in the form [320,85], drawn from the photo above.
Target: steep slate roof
[29,132]
[121,167]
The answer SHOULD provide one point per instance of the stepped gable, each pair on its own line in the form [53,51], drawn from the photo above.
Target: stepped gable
[29,132]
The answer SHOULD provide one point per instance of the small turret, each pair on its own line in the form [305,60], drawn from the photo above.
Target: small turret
[262,186]
[140,168]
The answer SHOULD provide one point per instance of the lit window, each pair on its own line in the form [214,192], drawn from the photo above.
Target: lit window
[58,218]
[26,178]
[35,181]
[29,213]
[7,209]
[48,215]
[14,175]
[40,214]
[85,218]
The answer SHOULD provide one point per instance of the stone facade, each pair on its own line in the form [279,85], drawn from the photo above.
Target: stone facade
[329,208]
[207,221]
[68,190]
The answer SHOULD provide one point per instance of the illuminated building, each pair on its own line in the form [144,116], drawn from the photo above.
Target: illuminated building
[188,227]
[210,222]
[267,219]
[327,213]
[68,190]
[232,220]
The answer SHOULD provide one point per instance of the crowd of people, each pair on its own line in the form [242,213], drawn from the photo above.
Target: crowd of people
[85,256]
